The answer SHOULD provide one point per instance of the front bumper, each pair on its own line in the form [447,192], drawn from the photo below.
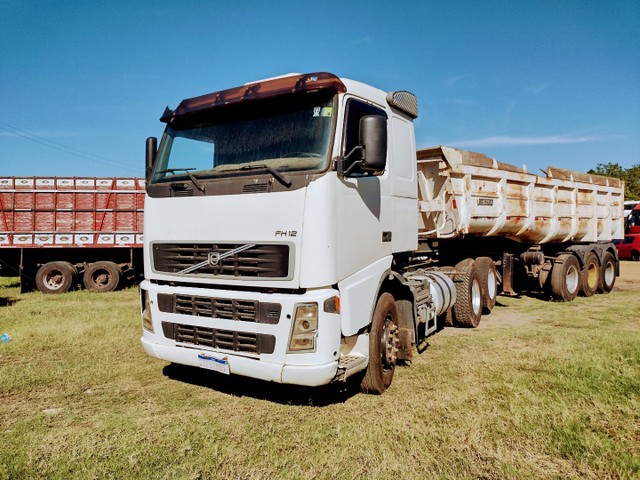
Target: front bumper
[309,368]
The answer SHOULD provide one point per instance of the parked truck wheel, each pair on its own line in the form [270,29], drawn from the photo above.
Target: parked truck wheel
[607,273]
[383,346]
[488,282]
[565,277]
[590,275]
[55,277]
[102,276]
[467,311]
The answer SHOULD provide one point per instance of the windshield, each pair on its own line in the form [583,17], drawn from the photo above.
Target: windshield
[284,134]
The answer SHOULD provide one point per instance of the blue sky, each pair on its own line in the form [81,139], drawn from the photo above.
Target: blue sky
[538,83]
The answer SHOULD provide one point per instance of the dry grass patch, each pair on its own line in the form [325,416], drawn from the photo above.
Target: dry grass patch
[541,390]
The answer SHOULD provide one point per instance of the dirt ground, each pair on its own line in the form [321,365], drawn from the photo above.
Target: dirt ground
[629,278]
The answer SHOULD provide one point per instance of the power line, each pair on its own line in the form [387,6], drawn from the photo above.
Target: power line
[62,147]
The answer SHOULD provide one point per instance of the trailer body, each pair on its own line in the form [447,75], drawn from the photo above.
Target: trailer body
[58,231]
[293,233]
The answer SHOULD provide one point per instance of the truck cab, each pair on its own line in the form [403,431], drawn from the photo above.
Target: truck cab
[273,214]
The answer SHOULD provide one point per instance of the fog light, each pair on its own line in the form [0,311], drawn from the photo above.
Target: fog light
[147,323]
[304,328]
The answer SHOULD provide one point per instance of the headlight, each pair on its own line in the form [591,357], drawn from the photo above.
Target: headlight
[147,323]
[305,328]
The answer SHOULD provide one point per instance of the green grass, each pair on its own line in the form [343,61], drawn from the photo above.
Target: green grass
[540,390]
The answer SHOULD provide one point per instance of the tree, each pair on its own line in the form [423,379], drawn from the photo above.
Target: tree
[631,177]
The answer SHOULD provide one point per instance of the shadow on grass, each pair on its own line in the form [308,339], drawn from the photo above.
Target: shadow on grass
[239,386]
[7,301]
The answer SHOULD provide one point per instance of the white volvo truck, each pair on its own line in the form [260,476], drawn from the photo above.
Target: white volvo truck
[293,234]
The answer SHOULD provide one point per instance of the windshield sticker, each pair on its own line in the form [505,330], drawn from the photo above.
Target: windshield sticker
[316,111]
[326,112]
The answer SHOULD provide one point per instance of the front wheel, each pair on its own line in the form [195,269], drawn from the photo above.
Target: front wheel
[383,346]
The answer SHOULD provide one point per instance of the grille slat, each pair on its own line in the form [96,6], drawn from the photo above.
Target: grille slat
[245,342]
[222,308]
[264,261]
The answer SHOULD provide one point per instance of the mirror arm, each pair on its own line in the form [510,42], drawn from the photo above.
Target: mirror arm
[355,163]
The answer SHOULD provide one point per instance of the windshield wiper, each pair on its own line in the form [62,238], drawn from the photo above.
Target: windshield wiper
[189,174]
[263,166]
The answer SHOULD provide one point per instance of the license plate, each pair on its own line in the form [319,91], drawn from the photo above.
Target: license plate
[217,364]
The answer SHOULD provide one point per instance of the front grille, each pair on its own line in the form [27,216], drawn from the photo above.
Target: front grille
[262,261]
[223,308]
[244,342]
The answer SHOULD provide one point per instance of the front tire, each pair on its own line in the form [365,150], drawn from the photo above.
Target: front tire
[383,346]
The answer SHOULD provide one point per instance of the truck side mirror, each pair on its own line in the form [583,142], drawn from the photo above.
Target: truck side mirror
[152,148]
[370,155]
[373,137]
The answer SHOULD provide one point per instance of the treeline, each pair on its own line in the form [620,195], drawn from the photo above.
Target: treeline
[631,177]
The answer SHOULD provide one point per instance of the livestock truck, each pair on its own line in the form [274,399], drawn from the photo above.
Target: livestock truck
[59,232]
[293,233]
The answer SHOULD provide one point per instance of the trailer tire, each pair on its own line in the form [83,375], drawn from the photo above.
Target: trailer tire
[607,273]
[488,282]
[565,277]
[590,275]
[55,277]
[467,311]
[383,346]
[102,276]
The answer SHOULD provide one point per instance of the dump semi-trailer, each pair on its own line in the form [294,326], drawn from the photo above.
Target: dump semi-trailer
[293,234]
[57,232]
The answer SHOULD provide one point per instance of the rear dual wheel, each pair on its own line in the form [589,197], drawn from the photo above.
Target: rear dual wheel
[488,282]
[607,273]
[102,276]
[590,276]
[55,277]
[565,277]
[467,311]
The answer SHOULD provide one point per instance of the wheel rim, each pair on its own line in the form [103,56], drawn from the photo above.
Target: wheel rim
[476,297]
[101,278]
[492,284]
[389,343]
[592,276]
[54,279]
[572,279]
[609,273]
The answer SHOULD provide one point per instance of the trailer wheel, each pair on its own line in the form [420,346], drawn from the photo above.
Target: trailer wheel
[102,276]
[467,311]
[488,282]
[590,275]
[607,273]
[383,346]
[55,277]
[565,277]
